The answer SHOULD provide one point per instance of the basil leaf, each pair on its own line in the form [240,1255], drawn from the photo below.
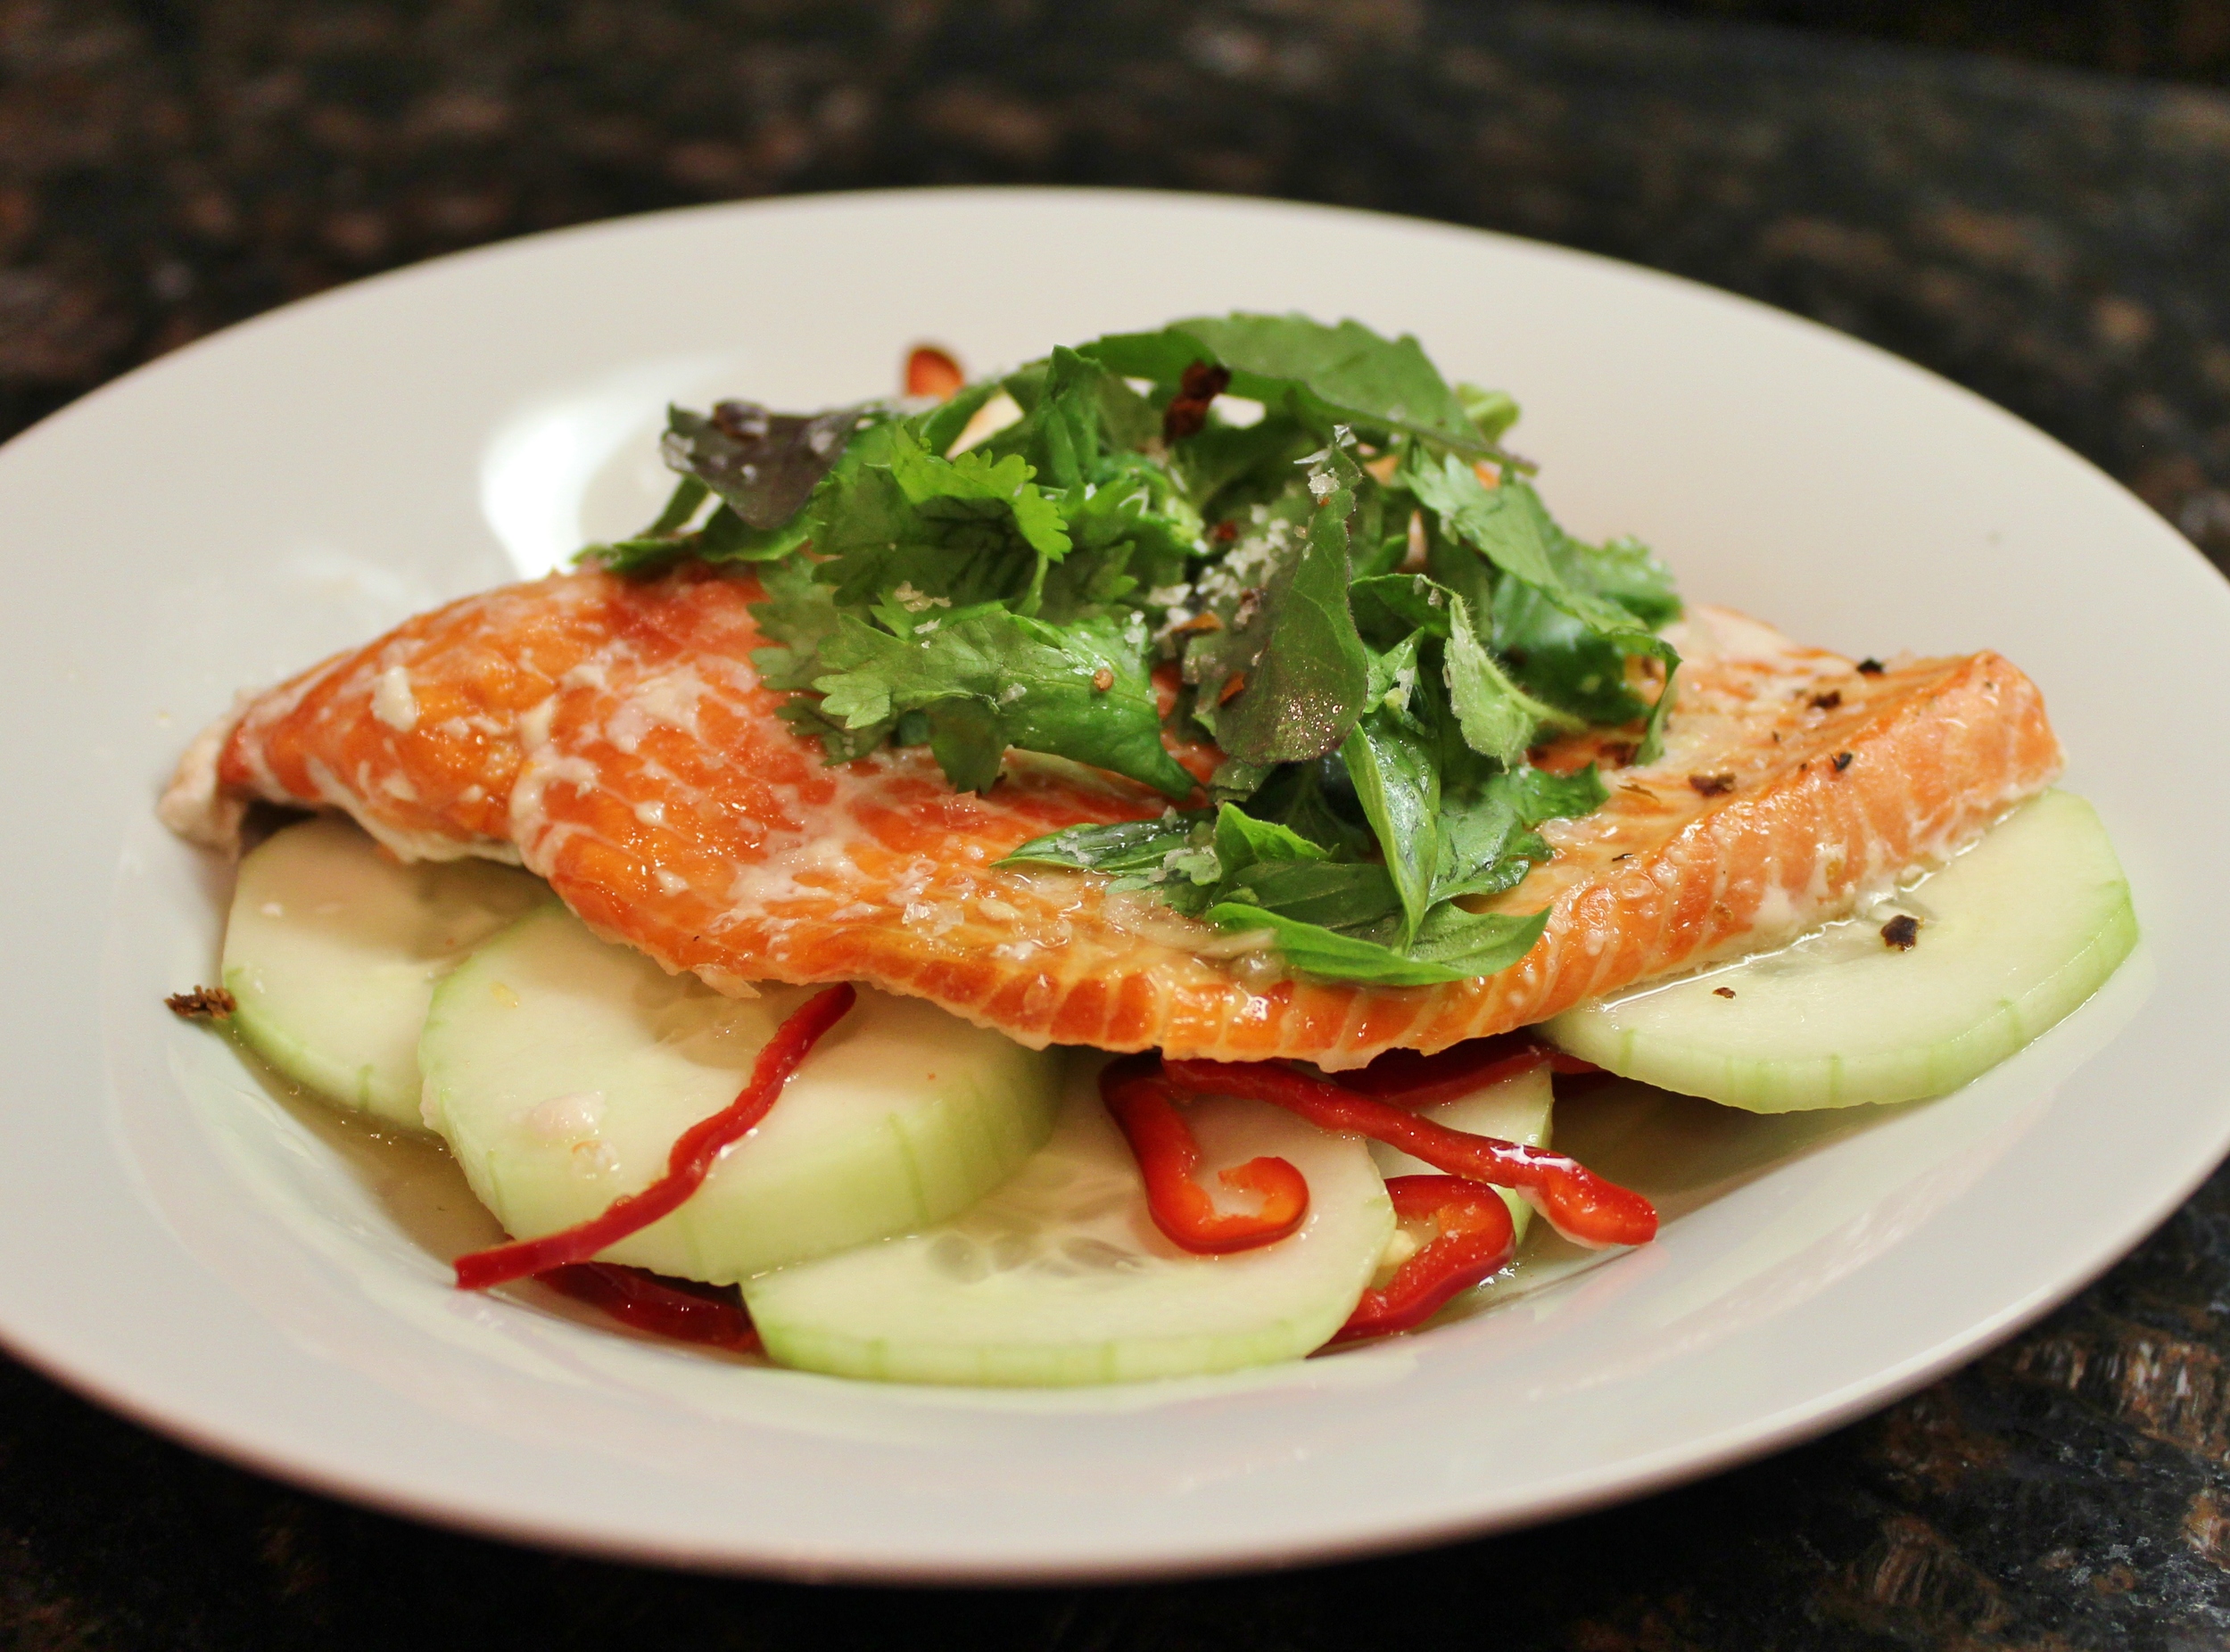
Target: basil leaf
[1486,821]
[1346,896]
[1393,764]
[1453,945]
[1124,848]
[1559,658]
[1244,842]
[1476,944]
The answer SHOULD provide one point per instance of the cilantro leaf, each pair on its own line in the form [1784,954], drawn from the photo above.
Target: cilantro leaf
[989,678]
[977,487]
[1074,411]
[797,614]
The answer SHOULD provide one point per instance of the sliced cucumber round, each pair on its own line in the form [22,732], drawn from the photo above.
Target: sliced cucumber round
[333,948]
[2004,940]
[1514,1109]
[561,1068]
[1060,1277]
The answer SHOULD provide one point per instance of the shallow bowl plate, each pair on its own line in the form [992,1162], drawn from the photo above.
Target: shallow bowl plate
[184,1246]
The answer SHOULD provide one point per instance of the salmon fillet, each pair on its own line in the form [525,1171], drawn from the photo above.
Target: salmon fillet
[612,737]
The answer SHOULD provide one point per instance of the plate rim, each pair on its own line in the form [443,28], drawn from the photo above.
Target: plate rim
[1669,1467]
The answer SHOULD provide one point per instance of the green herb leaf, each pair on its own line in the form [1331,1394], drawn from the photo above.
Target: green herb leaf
[1393,763]
[797,614]
[1498,719]
[1391,606]
[1510,527]
[1305,672]
[1453,945]
[977,487]
[1325,374]
[989,678]
[1125,848]
[1486,821]
[1244,842]
[1073,411]
[763,465]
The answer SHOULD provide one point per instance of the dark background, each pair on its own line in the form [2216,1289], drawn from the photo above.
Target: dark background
[2043,214]
[2175,39]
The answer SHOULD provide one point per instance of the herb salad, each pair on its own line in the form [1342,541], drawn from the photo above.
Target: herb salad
[1351,585]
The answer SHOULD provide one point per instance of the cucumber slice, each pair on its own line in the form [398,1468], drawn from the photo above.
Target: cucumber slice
[1515,1109]
[2013,934]
[333,948]
[561,1068]
[1060,1277]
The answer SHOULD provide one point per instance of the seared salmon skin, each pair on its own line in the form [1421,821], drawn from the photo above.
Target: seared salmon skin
[612,736]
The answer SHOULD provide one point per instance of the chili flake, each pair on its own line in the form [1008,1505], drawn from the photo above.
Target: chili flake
[1188,412]
[201,1005]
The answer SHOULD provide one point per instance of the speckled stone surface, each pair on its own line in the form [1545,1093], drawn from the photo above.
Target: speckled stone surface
[2057,242]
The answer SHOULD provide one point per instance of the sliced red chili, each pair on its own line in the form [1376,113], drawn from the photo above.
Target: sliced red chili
[1578,1203]
[681,1308]
[694,1153]
[1476,1239]
[1410,1079]
[1144,1108]
[933,372]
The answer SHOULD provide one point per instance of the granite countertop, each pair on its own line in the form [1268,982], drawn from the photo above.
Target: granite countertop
[2054,241]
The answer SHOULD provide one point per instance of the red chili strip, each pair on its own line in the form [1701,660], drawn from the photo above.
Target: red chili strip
[712,1314]
[1580,1204]
[1410,1079]
[694,1155]
[1144,1108]
[933,372]
[1476,1237]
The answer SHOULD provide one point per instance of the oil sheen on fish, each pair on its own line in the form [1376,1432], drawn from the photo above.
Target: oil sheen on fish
[612,737]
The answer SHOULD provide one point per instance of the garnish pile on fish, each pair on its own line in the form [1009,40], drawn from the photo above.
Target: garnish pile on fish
[613,735]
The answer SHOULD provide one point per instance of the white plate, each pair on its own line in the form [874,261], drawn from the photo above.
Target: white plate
[181,1245]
